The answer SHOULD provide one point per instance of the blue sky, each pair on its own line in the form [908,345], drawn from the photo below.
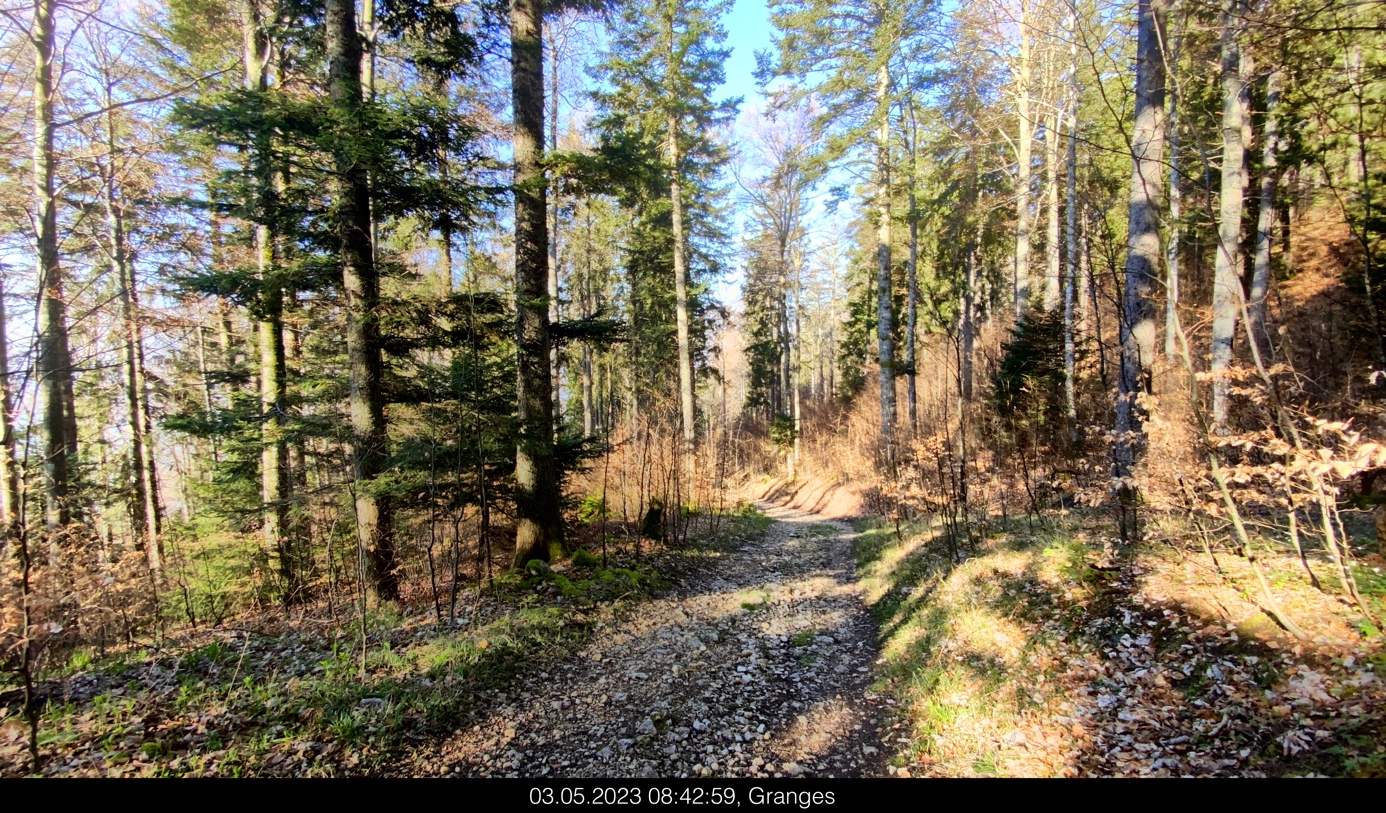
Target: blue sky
[748,30]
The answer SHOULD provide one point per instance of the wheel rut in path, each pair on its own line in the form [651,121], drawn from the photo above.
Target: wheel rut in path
[758,663]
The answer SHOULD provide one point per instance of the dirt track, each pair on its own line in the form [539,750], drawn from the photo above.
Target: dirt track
[757,664]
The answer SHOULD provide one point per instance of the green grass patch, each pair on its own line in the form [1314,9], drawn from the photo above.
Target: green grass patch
[243,708]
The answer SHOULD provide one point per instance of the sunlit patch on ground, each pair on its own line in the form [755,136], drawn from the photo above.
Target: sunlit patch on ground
[1029,658]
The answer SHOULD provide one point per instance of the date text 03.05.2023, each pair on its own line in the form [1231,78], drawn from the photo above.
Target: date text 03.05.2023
[686,795]
[568,795]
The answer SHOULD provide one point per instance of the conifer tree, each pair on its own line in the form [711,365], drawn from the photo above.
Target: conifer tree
[539,525]
[841,53]
[664,63]
[54,364]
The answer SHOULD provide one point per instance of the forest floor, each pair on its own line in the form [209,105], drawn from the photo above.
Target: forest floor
[781,643]
[747,652]
[759,662]
[1019,650]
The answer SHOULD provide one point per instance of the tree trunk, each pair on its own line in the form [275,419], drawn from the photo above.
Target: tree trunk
[1356,162]
[9,464]
[912,305]
[1087,293]
[968,327]
[798,365]
[885,351]
[1071,228]
[274,474]
[1227,294]
[54,362]
[205,372]
[1022,170]
[555,360]
[781,399]
[1172,247]
[539,524]
[144,504]
[1360,183]
[589,407]
[681,288]
[1052,275]
[1289,216]
[1266,218]
[361,287]
[229,357]
[1137,327]
[274,455]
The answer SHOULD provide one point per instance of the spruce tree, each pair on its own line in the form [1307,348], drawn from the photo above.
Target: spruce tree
[842,54]
[664,64]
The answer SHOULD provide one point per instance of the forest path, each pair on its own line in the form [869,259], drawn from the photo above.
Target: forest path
[758,663]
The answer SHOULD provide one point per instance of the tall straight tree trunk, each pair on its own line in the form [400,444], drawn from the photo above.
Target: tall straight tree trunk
[144,504]
[1137,327]
[968,328]
[782,407]
[786,336]
[589,407]
[1266,218]
[1023,145]
[912,305]
[274,454]
[54,354]
[1052,274]
[798,363]
[885,351]
[1289,217]
[368,34]
[1172,246]
[9,464]
[539,524]
[153,502]
[1087,294]
[681,288]
[225,343]
[361,286]
[275,475]
[1071,226]
[1227,294]
[555,361]
[148,514]
[686,382]
[1172,249]
[1361,188]
[290,322]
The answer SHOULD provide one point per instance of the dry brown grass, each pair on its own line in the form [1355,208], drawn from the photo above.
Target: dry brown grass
[1025,660]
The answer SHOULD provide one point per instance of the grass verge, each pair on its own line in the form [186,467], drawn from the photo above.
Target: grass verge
[1030,658]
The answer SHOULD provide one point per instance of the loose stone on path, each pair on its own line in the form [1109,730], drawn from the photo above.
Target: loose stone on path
[758,663]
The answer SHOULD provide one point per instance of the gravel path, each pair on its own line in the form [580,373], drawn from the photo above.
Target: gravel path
[757,664]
